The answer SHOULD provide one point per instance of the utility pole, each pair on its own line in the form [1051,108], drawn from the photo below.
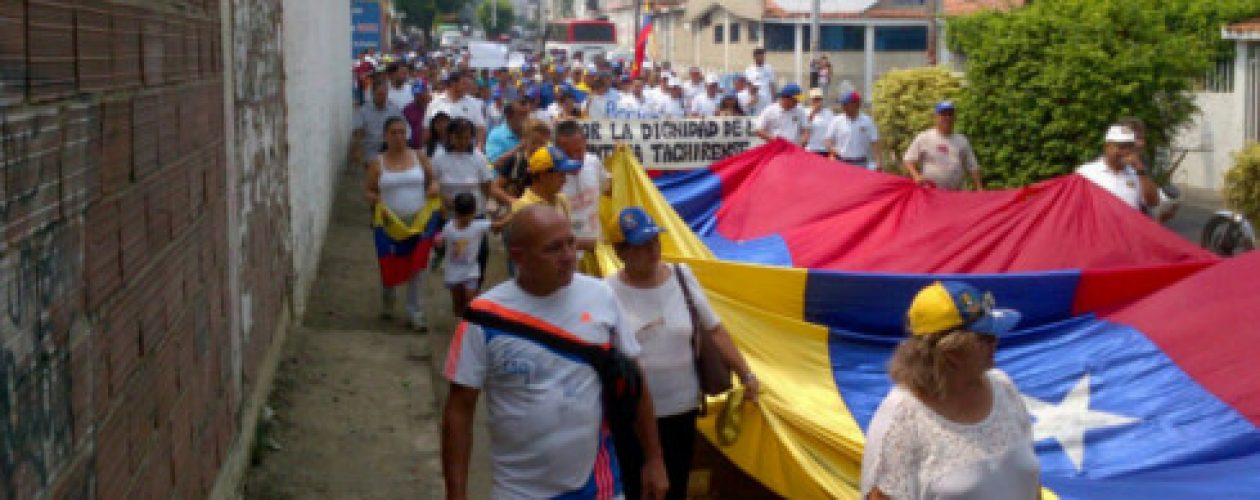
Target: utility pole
[934,11]
[814,38]
[494,15]
[542,31]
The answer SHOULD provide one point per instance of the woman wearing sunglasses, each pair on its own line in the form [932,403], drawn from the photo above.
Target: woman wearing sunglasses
[953,426]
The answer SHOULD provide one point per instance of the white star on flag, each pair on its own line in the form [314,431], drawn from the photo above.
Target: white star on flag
[1068,421]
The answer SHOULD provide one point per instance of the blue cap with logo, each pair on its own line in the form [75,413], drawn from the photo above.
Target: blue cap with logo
[790,90]
[945,106]
[634,226]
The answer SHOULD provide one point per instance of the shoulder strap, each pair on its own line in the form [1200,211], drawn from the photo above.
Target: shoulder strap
[691,304]
[592,354]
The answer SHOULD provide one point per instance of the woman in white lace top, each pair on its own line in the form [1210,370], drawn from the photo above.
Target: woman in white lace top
[953,427]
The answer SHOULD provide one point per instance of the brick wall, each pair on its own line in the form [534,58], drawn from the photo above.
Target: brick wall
[118,376]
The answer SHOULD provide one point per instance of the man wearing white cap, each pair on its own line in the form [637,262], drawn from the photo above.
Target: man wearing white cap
[705,104]
[1117,173]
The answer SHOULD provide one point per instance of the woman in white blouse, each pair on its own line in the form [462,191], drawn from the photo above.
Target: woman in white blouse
[953,426]
[656,311]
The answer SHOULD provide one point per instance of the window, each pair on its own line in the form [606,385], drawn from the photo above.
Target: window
[901,38]
[782,37]
[594,32]
[754,34]
[734,32]
[717,32]
[842,38]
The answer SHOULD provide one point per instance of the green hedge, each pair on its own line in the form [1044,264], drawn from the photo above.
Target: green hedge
[1043,82]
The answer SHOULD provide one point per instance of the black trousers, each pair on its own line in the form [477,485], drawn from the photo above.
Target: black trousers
[678,439]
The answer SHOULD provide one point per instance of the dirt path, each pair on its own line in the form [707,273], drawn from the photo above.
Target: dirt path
[355,411]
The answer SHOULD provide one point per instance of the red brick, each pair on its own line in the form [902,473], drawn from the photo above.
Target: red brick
[102,259]
[92,39]
[50,49]
[152,48]
[121,342]
[168,127]
[12,51]
[125,46]
[116,144]
[145,133]
[173,51]
[157,213]
[83,359]
[112,446]
[135,251]
[80,158]
[153,320]
[142,416]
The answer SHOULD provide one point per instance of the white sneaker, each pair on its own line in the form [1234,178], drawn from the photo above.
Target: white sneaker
[416,322]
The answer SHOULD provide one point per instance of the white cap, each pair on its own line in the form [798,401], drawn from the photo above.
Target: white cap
[711,79]
[1121,134]
[815,93]
[673,81]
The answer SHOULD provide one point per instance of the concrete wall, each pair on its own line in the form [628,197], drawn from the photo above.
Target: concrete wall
[113,366]
[316,83]
[1216,134]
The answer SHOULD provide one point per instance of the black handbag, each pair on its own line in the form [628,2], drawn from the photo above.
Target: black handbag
[711,369]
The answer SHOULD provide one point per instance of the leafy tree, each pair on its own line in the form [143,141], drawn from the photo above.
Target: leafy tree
[1043,82]
[904,101]
[505,14]
[421,13]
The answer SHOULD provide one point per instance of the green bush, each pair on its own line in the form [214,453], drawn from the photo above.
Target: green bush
[1044,81]
[904,100]
[1242,183]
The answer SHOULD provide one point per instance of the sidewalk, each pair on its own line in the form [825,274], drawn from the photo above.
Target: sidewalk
[357,398]
[1197,206]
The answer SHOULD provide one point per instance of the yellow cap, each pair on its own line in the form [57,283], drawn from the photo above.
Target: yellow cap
[933,311]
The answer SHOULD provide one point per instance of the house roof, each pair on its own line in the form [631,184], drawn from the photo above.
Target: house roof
[841,9]
[1242,30]
[962,7]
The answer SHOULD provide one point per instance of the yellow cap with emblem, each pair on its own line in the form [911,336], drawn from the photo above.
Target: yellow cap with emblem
[950,305]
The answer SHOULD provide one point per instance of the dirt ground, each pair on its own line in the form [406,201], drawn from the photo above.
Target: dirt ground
[355,410]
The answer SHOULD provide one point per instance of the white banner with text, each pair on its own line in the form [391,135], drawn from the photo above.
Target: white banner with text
[673,144]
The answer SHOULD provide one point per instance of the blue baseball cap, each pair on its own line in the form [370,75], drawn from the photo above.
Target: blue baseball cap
[944,106]
[634,226]
[418,88]
[790,90]
[945,306]
[850,97]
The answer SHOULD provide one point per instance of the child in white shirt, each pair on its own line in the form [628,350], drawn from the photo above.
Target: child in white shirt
[463,238]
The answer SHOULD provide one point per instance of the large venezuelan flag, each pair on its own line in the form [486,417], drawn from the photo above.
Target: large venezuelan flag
[1135,355]
[402,248]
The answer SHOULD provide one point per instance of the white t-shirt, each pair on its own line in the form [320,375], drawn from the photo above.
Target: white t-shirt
[1124,184]
[462,173]
[659,319]
[403,191]
[400,97]
[583,188]
[766,73]
[600,106]
[630,106]
[468,107]
[705,106]
[745,103]
[914,453]
[462,247]
[942,159]
[668,107]
[852,138]
[779,122]
[692,89]
[818,129]
[545,410]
